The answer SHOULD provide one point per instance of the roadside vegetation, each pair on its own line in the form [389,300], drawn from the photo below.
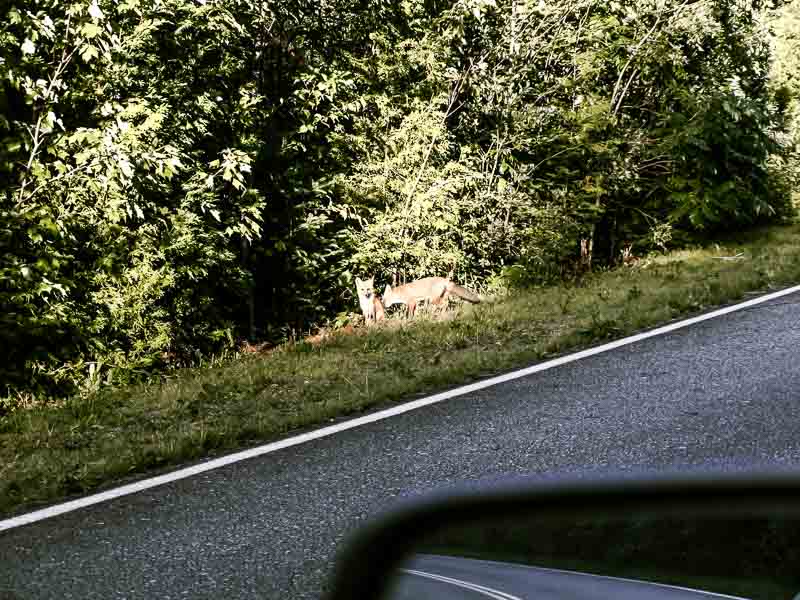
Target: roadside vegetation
[56,448]
[182,175]
[184,179]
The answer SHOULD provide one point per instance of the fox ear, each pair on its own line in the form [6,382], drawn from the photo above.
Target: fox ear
[370,281]
[388,289]
[358,281]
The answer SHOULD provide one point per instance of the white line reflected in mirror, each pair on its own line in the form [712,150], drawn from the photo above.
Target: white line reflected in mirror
[487,591]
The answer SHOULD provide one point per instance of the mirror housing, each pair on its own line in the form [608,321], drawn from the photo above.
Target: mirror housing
[367,565]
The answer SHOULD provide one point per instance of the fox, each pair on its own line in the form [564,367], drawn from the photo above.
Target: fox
[371,305]
[434,290]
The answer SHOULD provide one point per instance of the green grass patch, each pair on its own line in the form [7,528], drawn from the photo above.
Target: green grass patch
[47,453]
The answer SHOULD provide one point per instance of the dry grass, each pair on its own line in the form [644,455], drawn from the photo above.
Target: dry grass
[47,453]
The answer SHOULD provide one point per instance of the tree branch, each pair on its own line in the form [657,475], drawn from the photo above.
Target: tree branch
[625,90]
[638,47]
[51,180]
[36,140]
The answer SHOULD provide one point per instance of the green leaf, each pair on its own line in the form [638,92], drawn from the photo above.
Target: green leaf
[88,53]
[90,30]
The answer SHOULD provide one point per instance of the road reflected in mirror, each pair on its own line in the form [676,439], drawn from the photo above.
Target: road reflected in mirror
[590,558]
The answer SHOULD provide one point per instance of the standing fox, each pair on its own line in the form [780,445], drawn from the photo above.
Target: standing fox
[434,290]
[370,304]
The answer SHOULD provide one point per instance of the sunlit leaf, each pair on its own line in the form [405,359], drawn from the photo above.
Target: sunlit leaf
[126,168]
[88,52]
[94,11]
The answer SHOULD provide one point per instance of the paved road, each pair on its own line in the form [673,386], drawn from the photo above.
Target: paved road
[430,577]
[723,393]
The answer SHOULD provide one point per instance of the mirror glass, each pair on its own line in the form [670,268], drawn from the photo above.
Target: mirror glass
[641,556]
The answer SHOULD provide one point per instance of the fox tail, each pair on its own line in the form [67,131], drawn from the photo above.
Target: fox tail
[464,293]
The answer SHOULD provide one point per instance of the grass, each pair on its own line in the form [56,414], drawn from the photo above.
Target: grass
[47,453]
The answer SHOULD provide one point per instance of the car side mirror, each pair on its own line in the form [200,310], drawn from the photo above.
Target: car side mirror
[701,537]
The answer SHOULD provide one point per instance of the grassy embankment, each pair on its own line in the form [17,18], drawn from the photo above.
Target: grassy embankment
[78,445]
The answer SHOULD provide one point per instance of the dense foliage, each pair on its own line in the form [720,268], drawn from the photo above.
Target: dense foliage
[177,174]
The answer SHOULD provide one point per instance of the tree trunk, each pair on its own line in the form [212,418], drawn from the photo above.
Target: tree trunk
[251,303]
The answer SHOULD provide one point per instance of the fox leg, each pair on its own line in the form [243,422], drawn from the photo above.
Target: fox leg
[379,313]
[441,301]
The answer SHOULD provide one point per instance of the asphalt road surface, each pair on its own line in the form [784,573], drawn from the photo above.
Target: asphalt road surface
[430,577]
[723,393]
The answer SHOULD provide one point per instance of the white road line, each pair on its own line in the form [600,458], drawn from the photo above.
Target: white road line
[645,582]
[481,589]
[230,459]
[506,565]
